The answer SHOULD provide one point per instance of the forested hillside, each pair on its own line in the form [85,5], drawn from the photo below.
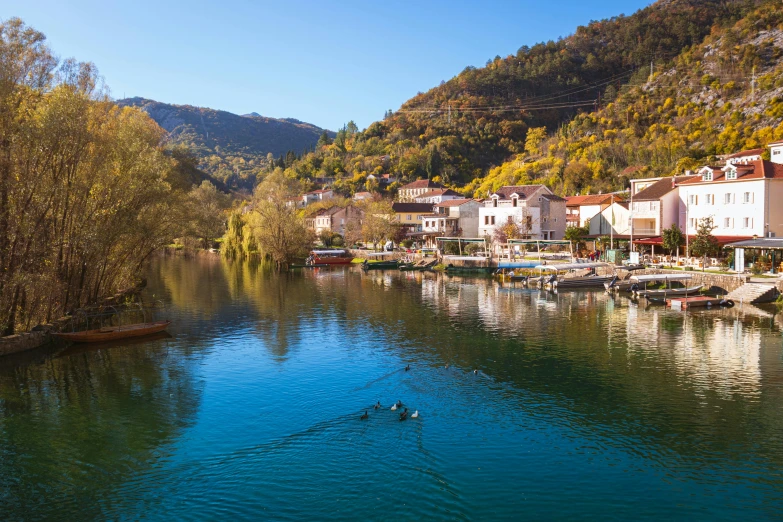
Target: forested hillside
[229,147]
[590,100]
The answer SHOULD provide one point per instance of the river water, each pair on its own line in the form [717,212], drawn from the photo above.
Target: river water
[583,405]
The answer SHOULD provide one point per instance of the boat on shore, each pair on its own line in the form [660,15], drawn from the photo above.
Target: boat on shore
[113,333]
[329,257]
[380,265]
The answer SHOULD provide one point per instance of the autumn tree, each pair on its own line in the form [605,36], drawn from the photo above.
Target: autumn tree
[208,212]
[279,230]
[377,225]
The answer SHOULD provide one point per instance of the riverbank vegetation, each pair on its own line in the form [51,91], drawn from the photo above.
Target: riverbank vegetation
[86,189]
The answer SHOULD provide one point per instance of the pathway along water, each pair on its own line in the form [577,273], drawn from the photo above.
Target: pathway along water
[583,406]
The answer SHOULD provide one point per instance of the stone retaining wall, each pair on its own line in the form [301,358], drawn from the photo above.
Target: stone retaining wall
[723,282]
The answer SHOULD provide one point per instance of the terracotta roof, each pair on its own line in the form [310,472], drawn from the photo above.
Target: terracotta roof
[421,183]
[363,194]
[662,187]
[779,142]
[454,202]
[631,169]
[592,199]
[523,191]
[327,211]
[412,207]
[438,192]
[759,169]
[751,152]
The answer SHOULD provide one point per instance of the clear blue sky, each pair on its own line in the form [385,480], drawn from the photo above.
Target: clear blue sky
[322,62]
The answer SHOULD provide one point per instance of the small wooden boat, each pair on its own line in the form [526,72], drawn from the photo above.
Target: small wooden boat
[329,257]
[112,333]
[380,265]
[684,303]
[669,292]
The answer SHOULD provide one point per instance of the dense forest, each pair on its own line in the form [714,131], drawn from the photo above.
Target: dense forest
[231,149]
[647,93]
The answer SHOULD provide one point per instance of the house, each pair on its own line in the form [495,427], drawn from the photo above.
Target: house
[408,215]
[655,205]
[533,208]
[435,196]
[362,196]
[742,198]
[334,219]
[580,209]
[744,157]
[613,220]
[322,220]
[317,195]
[464,210]
[383,179]
[417,188]
[434,225]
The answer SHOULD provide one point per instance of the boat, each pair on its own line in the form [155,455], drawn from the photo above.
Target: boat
[112,333]
[559,278]
[380,265]
[329,257]
[684,303]
[665,292]
[451,269]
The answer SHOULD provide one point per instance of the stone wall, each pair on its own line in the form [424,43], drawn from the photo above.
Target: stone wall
[723,282]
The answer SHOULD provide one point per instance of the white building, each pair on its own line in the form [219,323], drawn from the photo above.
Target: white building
[655,204]
[436,196]
[409,192]
[534,208]
[466,211]
[613,220]
[581,209]
[743,199]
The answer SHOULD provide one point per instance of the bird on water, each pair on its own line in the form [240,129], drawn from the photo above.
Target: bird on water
[407,367]
[365,416]
[404,415]
[415,415]
[394,407]
[377,405]
[475,372]
[399,404]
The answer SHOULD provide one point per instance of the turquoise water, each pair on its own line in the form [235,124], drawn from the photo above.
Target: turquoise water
[584,406]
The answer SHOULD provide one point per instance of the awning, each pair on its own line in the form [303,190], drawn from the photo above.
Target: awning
[570,266]
[658,240]
[762,243]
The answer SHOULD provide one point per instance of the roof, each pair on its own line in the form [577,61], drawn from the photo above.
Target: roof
[759,169]
[319,191]
[362,194]
[662,187]
[552,197]
[658,240]
[327,211]
[454,202]
[421,183]
[766,243]
[438,192]
[592,199]
[779,142]
[523,191]
[751,152]
[418,208]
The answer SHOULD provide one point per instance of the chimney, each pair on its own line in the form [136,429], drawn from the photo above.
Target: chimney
[674,181]
[689,173]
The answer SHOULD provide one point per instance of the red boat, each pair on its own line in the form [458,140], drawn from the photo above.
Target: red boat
[112,333]
[329,257]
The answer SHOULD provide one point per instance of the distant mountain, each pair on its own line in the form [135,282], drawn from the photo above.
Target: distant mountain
[229,147]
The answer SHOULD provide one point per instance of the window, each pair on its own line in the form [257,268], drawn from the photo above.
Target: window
[731,174]
[491,220]
[747,197]
[710,199]
[727,198]
[494,202]
[707,175]
[747,223]
[726,222]
[693,199]
[513,202]
[510,219]
[775,152]
[409,217]
[692,222]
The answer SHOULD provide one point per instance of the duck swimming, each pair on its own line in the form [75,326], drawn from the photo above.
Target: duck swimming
[399,404]
[365,416]
[404,415]
[394,407]
[415,415]
[377,405]
[475,372]
[407,367]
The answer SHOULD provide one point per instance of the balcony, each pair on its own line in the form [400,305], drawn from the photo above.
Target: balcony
[644,231]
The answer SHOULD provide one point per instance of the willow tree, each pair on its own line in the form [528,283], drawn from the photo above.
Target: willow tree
[83,195]
[278,228]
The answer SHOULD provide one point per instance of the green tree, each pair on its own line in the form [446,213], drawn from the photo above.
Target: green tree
[576,235]
[377,225]
[535,137]
[208,212]
[704,244]
[673,239]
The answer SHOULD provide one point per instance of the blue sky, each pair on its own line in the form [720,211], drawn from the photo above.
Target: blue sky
[321,62]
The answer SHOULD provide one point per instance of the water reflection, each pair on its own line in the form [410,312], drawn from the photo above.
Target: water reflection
[255,402]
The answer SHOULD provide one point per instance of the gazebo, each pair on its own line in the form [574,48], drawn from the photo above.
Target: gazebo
[772,245]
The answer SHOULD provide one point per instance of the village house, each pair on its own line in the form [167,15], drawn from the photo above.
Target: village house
[580,209]
[466,211]
[742,197]
[436,196]
[655,205]
[408,216]
[362,196]
[322,220]
[537,211]
[408,193]
[334,219]
[317,195]
[614,220]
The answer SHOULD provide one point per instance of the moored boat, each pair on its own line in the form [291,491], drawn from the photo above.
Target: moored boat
[564,275]
[112,333]
[380,265]
[329,257]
